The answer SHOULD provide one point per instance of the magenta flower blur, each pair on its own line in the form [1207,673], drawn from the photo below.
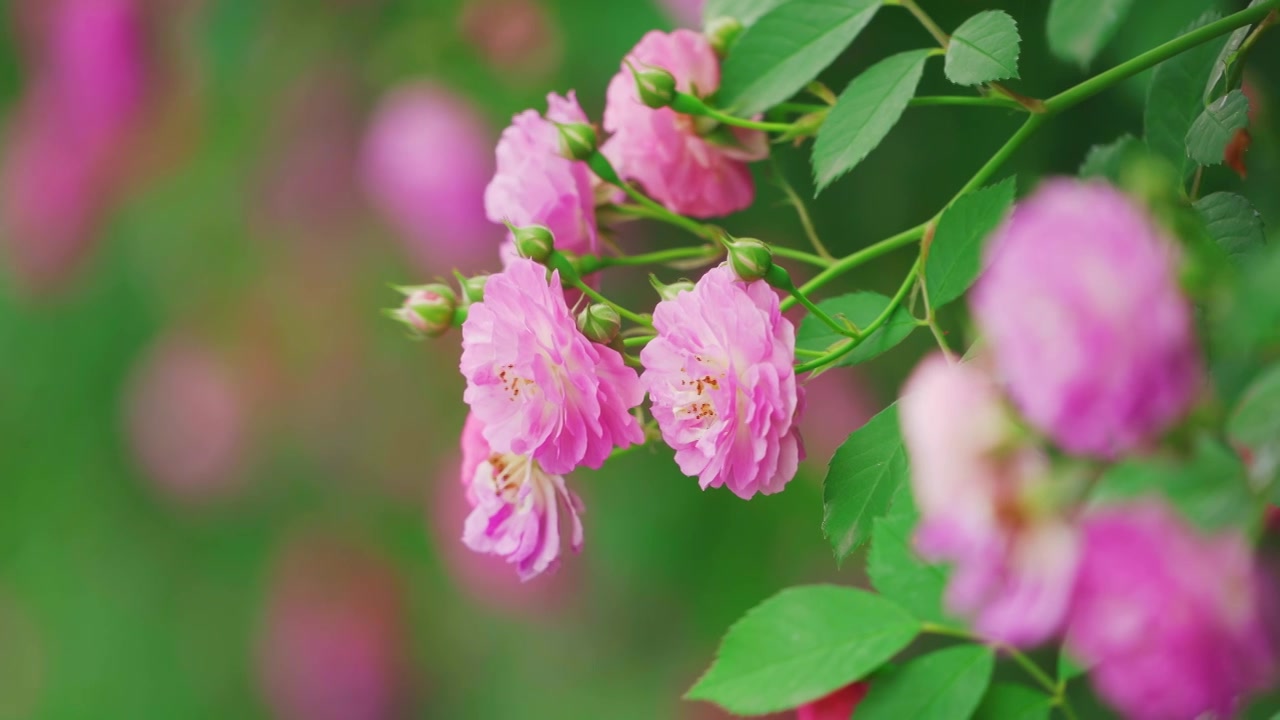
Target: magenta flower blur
[535,185]
[537,385]
[721,377]
[662,150]
[839,705]
[1172,623]
[1013,563]
[515,506]
[1085,319]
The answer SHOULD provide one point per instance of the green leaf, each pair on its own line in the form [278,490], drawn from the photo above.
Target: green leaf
[1243,323]
[897,572]
[861,309]
[801,644]
[865,113]
[1068,667]
[1175,98]
[955,254]
[865,474]
[1233,223]
[1107,161]
[787,48]
[1226,57]
[744,11]
[1007,701]
[983,48]
[1254,427]
[1211,132]
[943,685]
[1079,29]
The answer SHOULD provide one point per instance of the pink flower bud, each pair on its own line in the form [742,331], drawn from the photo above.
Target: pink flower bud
[428,311]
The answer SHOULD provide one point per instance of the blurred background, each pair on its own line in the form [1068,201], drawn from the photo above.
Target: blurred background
[228,486]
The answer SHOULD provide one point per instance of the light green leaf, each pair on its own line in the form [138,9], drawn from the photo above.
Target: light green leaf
[786,48]
[744,11]
[1254,427]
[897,572]
[802,644]
[1175,98]
[1107,161]
[1233,223]
[1211,132]
[955,254]
[865,113]
[1079,29]
[984,48]
[1007,701]
[861,309]
[864,475]
[943,685]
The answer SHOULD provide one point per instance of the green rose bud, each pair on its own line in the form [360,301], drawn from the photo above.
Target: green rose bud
[534,242]
[749,258]
[669,292]
[722,33]
[578,141]
[473,287]
[428,310]
[600,323]
[656,87]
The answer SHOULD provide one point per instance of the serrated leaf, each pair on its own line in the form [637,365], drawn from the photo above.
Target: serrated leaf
[861,309]
[984,48]
[1079,29]
[864,475]
[1232,223]
[802,644]
[865,113]
[744,11]
[786,48]
[943,685]
[897,572]
[955,254]
[1254,429]
[1106,161]
[1221,65]
[1007,701]
[1217,124]
[1175,98]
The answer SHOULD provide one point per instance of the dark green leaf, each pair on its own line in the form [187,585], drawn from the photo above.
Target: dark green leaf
[865,474]
[955,254]
[1211,132]
[1254,428]
[1175,98]
[897,572]
[1222,70]
[861,309]
[1233,223]
[943,685]
[983,48]
[744,11]
[802,644]
[1006,701]
[1079,29]
[865,113]
[786,48]
[1107,161]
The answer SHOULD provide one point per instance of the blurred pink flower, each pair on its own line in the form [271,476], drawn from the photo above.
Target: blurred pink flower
[537,385]
[516,37]
[186,420]
[975,487]
[662,150]
[426,160]
[835,404]
[535,185]
[687,13]
[839,705]
[724,392]
[1085,319]
[1172,624]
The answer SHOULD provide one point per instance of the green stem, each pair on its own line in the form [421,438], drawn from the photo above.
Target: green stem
[980,178]
[592,263]
[1018,657]
[703,231]
[853,260]
[735,121]
[802,212]
[968,100]
[640,341]
[924,19]
[590,292]
[802,256]
[866,332]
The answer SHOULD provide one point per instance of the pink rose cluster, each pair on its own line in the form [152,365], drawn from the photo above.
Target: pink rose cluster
[1090,341]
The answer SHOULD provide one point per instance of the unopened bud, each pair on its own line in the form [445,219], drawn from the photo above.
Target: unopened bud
[749,258]
[656,87]
[722,33]
[534,242]
[669,292]
[600,323]
[473,287]
[578,141]
[428,310]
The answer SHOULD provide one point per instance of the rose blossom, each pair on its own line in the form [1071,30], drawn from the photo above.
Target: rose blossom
[536,384]
[975,488]
[1172,623]
[723,386]
[515,506]
[662,149]
[1085,319]
[535,185]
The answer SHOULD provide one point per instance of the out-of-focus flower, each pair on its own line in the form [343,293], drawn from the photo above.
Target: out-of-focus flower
[839,705]
[835,404]
[536,384]
[1085,320]
[688,13]
[721,377]
[663,150]
[332,643]
[426,160]
[187,423]
[1171,623]
[536,185]
[516,37]
[976,488]
[515,506]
